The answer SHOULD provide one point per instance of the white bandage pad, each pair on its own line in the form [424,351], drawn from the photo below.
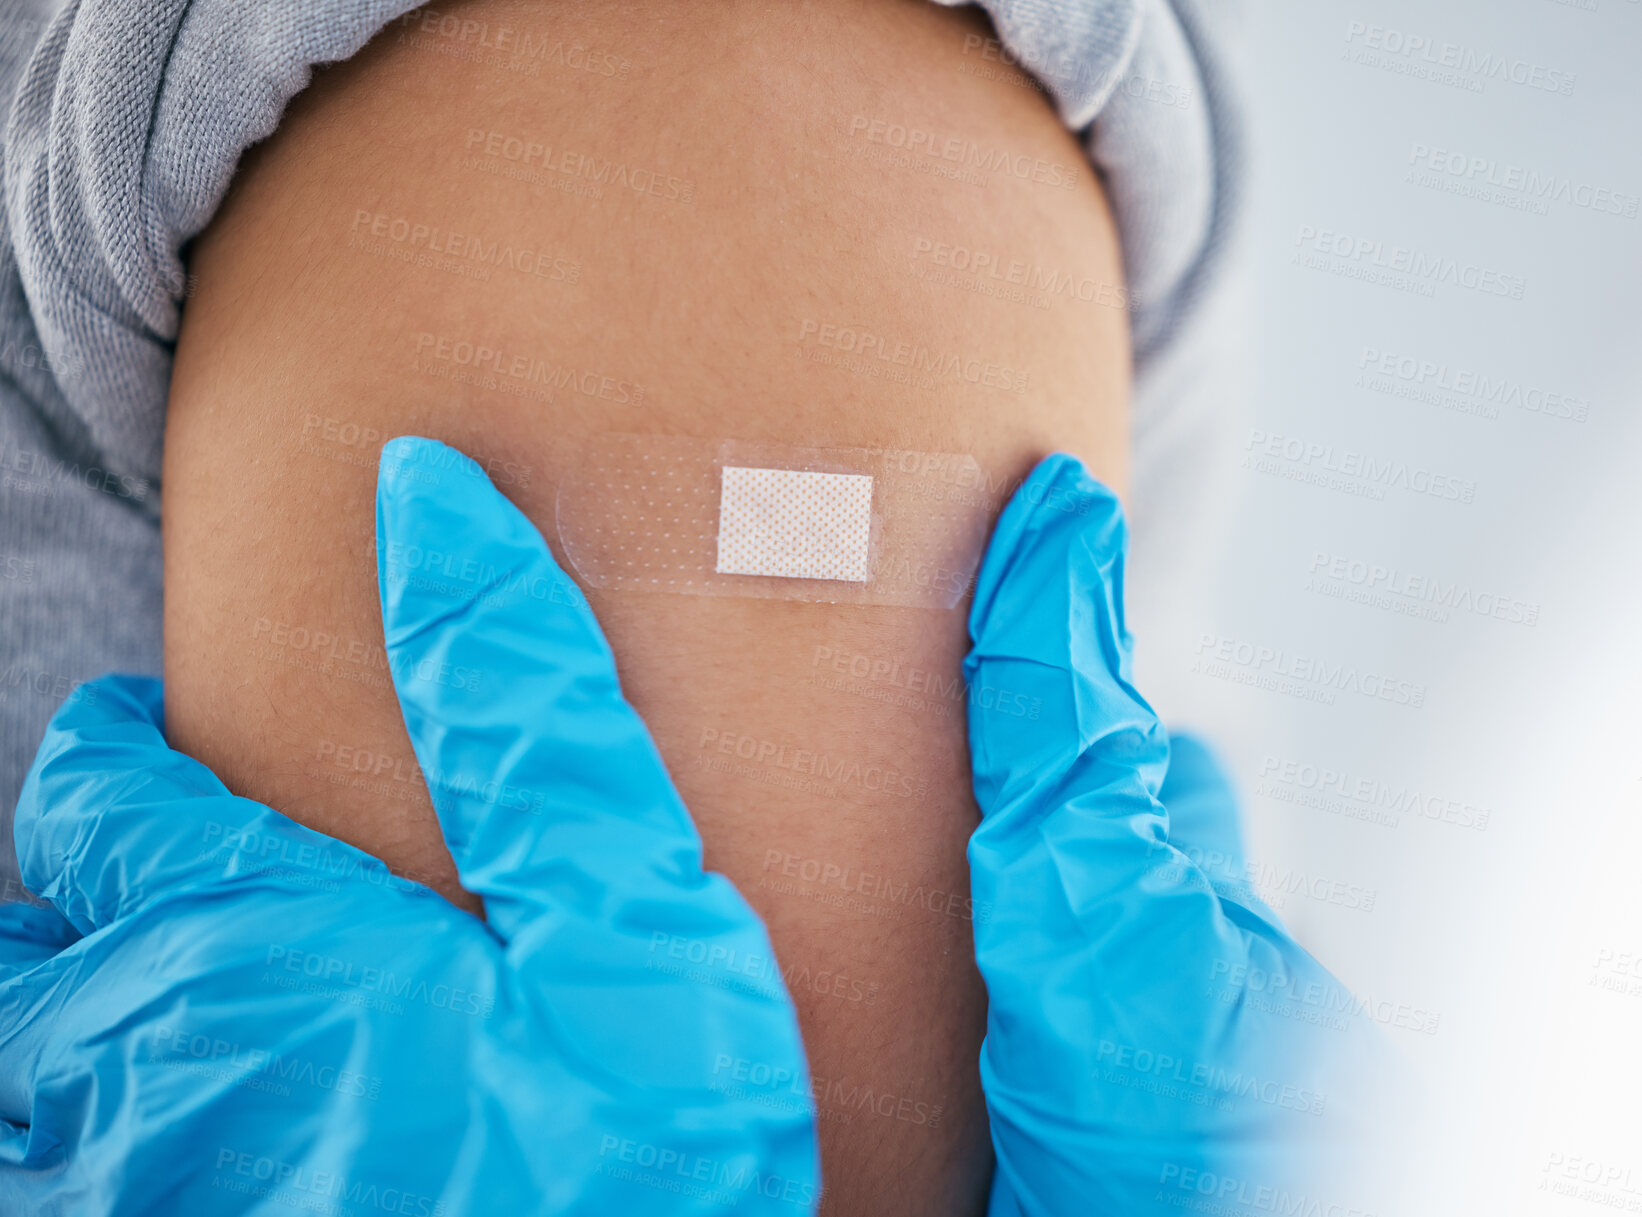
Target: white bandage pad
[794,524]
[665,513]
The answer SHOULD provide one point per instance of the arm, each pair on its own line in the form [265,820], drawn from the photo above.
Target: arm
[307,343]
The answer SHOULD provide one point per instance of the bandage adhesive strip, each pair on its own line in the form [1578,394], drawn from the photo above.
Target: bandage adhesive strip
[738,518]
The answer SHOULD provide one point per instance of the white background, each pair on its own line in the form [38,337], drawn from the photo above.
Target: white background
[1534,1070]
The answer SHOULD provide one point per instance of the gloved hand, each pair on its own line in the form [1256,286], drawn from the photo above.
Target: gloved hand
[249,1016]
[1156,1041]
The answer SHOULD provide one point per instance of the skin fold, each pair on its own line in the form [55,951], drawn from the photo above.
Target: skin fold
[681,221]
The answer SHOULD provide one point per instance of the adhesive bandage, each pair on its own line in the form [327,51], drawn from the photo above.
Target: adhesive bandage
[736,518]
[793,523]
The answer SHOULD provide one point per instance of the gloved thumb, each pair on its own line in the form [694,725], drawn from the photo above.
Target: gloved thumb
[1047,630]
[1069,797]
[548,788]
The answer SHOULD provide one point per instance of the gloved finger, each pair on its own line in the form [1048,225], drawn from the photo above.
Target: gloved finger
[1047,621]
[1071,798]
[547,784]
[1206,822]
[1140,1016]
[1203,813]
[111,818]
[30,933]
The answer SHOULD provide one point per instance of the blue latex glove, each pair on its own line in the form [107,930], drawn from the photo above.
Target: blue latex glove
[259,1017]
[1155,1039]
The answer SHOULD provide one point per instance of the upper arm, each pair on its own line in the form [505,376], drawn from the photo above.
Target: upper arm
[688,245]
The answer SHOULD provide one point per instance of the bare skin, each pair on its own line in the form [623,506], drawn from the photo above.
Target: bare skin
[775,189]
